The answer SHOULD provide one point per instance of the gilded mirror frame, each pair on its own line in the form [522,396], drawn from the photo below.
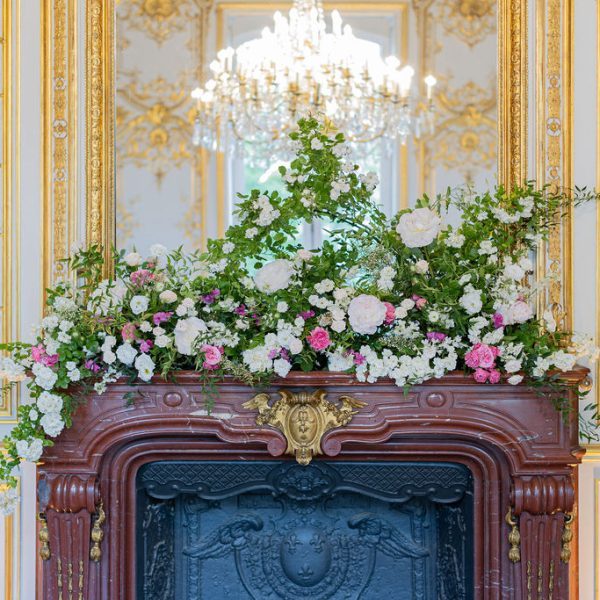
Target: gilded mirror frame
[62,211]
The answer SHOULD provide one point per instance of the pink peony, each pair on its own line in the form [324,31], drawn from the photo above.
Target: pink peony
[212,356]
[161,317]
[318,339]
[494,376]
[128,332]
[481,375]
[141,277]
[390,313]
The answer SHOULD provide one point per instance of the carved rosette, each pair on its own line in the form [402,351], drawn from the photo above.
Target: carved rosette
[304,418]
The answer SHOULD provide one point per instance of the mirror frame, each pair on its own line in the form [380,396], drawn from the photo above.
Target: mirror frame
[69,207]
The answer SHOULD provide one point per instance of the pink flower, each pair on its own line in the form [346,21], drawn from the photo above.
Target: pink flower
[273,354]
[419,301]
[494,376]
[90,365]
[390,313]
[146,346]
[318,339]
[359,359]
[38,353]
[141,277]
[161,317]
[212,356]
[307,314]
[498,320]
[128,332]
[481,355]
[436,336]
[481,375]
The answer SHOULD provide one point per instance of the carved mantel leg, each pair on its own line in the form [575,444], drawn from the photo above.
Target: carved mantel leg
[543,507]
[67,503]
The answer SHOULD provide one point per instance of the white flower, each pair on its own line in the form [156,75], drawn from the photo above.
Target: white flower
[304,255]
[513,365]
[168,297]
[50,323]
[109,357]
[11,370]
[65,306]
[282,307]
[108,294]
[139,304]
[52,424]
[517,312]
[563,360]
[542,365]
[133,259]
[366,313]
[158,250]
[33,415]
[109,342]
[228,247]
[526,264]
[338,362]
[549,320]
[455,240]
[126,353]
[274,276]
[74,375]
[407,304]
[514,272]
[63,337]
[486,247]
[30,451]
[515,379]
[9,499]
[419,228]
[471,300]
[281,367]
[145,367]
[146,326]
[162,341]
[338,326]
[45,377]
[251,233]
[421,267]
[433,316]
[186,332]
[466,278]
[295,346]
[257,359]
[324,286]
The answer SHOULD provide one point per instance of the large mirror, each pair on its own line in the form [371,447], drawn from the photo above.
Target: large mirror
[177,177]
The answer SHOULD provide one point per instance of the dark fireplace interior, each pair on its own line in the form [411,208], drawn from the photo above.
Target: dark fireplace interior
[276,530]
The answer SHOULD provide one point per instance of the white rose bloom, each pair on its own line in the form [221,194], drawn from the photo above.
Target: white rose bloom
[30,451]
[281,367]
[139,304]
[421,267]
[186,332]
[366,313]
[126,353]
[274,276]
[257,359]
[145,367]
[52,424]
[515,379]
[419,228]
[563,360]
[133,259]
[471,300]
[295,346]
[168,297]
[338,362]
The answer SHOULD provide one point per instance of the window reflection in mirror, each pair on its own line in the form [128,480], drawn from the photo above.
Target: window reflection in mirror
[172,192]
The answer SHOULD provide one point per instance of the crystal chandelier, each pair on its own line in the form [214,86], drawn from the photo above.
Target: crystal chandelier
[258,91]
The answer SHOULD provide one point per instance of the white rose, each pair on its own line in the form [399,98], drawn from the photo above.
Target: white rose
[145,367]
[168,297]
[274,276]
[186,332]
[30,451]
[563,360]
[52,424]
[295,346]
[133,259]
[126,353]
[139,304]
[518,312]
[366,313]
[421,267]
[419,228]
[515,379]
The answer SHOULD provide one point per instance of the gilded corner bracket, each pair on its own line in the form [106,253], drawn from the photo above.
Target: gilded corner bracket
[303,418]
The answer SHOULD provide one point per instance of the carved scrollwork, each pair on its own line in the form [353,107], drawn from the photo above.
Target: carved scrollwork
[303,418]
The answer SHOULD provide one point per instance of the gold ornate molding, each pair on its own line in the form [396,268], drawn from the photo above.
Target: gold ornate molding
[304,418]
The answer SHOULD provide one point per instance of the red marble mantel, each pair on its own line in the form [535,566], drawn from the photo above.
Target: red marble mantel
[521,453]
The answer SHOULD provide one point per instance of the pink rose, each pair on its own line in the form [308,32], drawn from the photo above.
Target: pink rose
[481,375]
[390,313]
[487,356]
[141,277]
[212,356]
[128,332]
[318,339]
[494,376]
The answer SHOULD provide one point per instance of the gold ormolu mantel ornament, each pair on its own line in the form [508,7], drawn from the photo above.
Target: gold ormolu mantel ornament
[303,418]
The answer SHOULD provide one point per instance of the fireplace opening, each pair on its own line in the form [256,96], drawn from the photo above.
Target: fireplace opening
[270,530]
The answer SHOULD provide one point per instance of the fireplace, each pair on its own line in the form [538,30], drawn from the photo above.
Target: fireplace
[471,485]
[270,529]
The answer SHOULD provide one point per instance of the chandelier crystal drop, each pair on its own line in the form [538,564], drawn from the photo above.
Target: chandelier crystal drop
[258,91]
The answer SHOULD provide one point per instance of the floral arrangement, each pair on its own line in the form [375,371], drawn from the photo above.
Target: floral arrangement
[408,299]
